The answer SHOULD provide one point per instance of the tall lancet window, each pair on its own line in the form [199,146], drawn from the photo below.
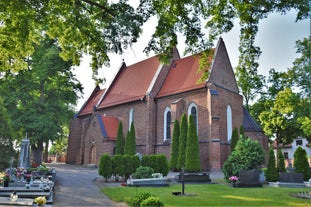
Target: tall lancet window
[229,123]
[167,123]
[131,117]
[193,110]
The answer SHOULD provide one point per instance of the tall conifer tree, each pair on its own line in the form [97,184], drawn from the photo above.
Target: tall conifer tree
[175,146]
[192,160]
[130,143]
[120,140]
[182,142]
[234,138]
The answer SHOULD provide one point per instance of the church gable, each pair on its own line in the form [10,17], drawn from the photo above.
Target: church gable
[221,70]
[92,101]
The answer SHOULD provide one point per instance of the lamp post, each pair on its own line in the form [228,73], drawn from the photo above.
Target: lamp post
[182,181]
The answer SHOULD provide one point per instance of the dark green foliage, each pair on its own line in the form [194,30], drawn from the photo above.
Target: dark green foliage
[182,142]
[175,146]
[120,140]
[138,198]
[117,165]
[234,138]
[152,202]
[301,163]
[280,162]
[271,173]
[248,155]
[130,143]
[163,167]
[127,166]
[192,160]
[146,160]
[242,130]
[135,162]
[105,166]
[143,172]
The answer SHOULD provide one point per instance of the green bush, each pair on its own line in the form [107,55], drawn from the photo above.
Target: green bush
[280,162]
[175,145]
[162,164]
[105,166]
[192,159]
[152,202]
[182,142]
[248,155]
[120,140]
[143,172]
[138,198]
[271,172]
[117,166]
[146,160]
[301,163]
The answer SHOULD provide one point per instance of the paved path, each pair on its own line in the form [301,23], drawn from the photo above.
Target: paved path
[74,187]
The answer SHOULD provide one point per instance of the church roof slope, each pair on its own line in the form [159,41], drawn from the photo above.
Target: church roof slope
[108,126]
[249,123]
[89,105]
[182,77]
[132,83]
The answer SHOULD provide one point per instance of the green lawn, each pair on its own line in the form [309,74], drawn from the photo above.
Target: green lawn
[214,195]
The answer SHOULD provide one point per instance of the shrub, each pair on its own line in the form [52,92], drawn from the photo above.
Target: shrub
[105,167]
[248,155]
[130,143]
[162,164]
[301,163]
[271,172]
[280,162]
[192,160]
[146,160]
[182,142]
[120,140]
[117,166]
[152,202]
[143,172]
[138,198]
[234,138]
[175,145]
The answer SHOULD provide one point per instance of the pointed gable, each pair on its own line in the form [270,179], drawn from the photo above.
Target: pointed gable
[89,105]
[132,83]
[221,69]
[108,126]
[182,77]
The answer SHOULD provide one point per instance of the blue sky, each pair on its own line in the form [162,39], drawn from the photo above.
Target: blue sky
[276,37]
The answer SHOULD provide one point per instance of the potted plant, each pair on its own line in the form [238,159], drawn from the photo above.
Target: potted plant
[233,180]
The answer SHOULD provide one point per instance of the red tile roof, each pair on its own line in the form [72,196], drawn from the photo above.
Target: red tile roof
[182,77]
[131,83]
[109,126]
[91,102]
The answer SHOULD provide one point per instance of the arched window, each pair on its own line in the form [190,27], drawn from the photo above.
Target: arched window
[229,123]
[131,117]
[167,123]
[193,110]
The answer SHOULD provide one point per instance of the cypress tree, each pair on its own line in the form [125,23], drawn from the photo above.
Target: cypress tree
[175,146]
[301,163]
[271,173]
[120,140]
[182,142]
[105,166]
[192,161]
[130,143]
[280,162]
[242,130]
[234,138]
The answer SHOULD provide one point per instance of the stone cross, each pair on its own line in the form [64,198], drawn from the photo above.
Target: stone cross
[24,153]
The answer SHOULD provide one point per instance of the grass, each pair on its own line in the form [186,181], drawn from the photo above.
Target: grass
[214,195]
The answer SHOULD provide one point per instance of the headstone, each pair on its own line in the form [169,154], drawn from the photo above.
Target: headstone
[291,177]
[24,154]
[249,178]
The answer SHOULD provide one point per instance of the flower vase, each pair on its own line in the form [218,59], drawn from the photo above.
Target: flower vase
[234,184]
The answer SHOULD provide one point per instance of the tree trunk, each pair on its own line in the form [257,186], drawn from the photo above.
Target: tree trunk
[46,152]
[36,150]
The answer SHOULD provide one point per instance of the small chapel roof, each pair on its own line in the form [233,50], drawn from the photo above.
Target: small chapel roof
[108,126]
[249,123]
[131,83]
[182,77]
[91,102]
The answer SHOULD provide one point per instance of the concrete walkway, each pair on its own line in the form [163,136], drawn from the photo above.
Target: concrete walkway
[74,187]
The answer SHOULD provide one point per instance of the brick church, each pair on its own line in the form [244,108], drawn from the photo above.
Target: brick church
[152,96]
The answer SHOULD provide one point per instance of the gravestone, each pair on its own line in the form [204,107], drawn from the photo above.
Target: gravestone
[291,177]
[24,154]
[249,178]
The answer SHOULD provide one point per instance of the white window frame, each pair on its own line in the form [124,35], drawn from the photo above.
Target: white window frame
[131,117]
[167,109]
[229,123]
[196,115]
